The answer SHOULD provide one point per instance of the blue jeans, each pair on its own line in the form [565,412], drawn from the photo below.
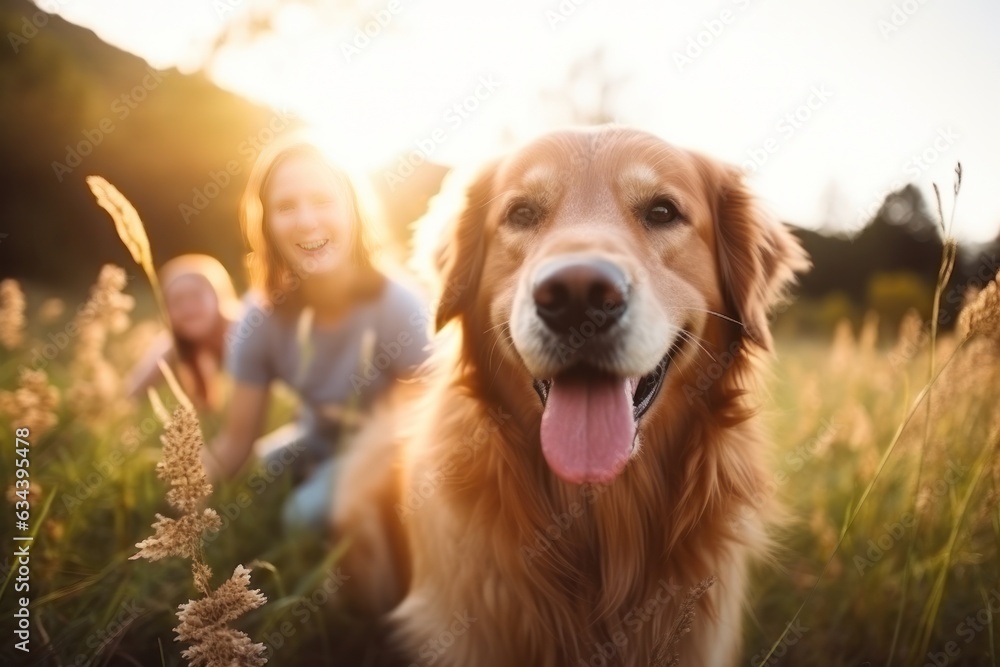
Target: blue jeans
[308,460]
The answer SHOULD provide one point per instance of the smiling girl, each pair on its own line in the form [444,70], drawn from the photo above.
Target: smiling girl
[201,305]
[310,248]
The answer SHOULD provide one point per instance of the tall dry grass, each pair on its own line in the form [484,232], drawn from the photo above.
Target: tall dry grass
[886,451]
[912,506]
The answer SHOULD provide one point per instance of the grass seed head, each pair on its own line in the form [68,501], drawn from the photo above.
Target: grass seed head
[982,316]
[12,305]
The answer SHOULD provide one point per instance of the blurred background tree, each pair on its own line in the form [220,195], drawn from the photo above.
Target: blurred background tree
[58,88]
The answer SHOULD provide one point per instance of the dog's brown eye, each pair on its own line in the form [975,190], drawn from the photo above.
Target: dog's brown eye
[662,212]
[522,215]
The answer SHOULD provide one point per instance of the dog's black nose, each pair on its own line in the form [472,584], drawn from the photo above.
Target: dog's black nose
[569,293]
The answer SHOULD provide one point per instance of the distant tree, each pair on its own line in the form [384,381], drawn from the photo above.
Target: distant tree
[589,94]
[837,215]
[245,23]
[907,208]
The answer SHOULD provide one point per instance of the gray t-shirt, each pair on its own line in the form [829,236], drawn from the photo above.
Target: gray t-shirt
[343,366]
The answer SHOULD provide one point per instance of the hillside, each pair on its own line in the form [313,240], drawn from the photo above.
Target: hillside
[73,105]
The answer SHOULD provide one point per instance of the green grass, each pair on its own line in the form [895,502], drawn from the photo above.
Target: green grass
[831,425]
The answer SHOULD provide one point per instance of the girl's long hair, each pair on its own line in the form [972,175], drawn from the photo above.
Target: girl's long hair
[269,273]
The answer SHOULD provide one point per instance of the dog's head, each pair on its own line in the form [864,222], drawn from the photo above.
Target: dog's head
[596,264]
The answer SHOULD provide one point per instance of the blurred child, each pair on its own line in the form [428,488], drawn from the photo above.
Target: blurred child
[201,304]
[310,252]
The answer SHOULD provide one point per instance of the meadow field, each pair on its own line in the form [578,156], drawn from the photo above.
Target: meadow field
[880,400]
[889,555]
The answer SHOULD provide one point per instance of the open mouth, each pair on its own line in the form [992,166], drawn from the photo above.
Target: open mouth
[590,419]
[645,388]
[312,246]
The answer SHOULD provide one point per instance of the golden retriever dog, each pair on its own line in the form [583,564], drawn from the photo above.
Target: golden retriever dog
[587,453]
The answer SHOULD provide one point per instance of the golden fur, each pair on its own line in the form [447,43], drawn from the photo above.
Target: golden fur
[454,510]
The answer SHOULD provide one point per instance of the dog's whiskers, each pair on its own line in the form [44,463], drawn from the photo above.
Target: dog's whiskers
[502,324]
[712,312]
[493,349]
[687,335]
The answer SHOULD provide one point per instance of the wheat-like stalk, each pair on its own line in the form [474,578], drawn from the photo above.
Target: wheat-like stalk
[668,652]
[982,316]
[126,219]
[949,253]
[203,622]
[95,391]
[130,230]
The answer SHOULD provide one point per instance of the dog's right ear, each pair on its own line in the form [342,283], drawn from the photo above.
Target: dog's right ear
[460,260]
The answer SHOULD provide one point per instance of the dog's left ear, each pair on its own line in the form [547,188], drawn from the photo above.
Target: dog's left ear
[758,256]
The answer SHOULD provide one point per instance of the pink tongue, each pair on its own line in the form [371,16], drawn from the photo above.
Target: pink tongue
[587,428]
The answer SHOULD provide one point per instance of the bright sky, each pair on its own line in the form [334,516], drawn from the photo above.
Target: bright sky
[898,89]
